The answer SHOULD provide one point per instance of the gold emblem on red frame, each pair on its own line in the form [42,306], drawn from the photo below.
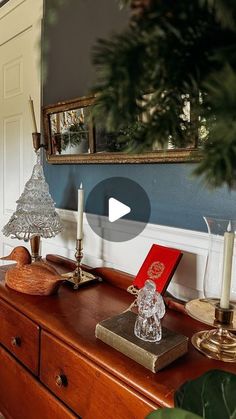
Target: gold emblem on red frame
[155,270]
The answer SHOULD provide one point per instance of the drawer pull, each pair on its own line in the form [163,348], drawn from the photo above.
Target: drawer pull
[16,341]
[61,380]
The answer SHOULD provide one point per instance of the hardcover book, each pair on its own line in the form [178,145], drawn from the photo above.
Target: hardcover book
[118,332]
[159,266]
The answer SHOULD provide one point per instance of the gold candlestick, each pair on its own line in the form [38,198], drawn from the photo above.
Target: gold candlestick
[78,273]
[79,277]
[218,343]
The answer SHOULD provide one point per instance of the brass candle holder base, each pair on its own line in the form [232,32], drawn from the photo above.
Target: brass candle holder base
[79,277]
[219,343]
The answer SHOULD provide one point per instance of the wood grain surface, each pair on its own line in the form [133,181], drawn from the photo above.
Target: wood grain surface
[71,317]
[89,390]
[20,336]
[22,397]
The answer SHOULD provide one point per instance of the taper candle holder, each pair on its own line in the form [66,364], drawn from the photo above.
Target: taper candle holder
[218,343]
[79,277]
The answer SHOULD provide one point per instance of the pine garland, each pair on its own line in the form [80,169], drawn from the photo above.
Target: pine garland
[171,52]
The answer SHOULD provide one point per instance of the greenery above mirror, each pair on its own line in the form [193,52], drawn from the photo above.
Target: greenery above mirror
[171,51]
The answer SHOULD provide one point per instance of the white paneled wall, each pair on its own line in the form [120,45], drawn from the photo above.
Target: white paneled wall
[129,255]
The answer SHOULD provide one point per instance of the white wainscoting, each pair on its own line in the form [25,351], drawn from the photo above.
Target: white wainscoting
[129,255]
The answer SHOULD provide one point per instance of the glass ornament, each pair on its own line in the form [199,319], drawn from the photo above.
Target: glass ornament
[151,309]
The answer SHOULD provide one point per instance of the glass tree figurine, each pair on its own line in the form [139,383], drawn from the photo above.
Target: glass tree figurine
[35,214]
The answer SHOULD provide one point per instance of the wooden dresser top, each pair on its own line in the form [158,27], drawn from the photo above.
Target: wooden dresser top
[72,316]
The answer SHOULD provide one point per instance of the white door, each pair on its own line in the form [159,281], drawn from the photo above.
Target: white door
[20,34]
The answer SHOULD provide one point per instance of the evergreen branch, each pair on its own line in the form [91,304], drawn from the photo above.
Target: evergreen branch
[225,11]
[173,50]
[219,163]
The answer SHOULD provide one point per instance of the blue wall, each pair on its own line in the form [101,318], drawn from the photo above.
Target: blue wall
[177,199]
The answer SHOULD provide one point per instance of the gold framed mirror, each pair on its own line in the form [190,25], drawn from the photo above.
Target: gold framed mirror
[72,138]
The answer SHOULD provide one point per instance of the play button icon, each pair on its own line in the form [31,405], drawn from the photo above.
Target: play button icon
[117,210]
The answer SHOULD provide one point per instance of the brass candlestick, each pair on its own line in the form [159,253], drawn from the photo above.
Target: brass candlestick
[79,277]
[78,273]
[218,343]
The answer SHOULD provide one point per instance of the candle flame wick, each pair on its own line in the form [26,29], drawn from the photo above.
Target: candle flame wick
[81,186]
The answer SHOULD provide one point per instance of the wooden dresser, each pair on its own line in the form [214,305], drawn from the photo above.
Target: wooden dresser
[52,366]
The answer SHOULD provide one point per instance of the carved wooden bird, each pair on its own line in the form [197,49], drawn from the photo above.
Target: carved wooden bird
[37,278]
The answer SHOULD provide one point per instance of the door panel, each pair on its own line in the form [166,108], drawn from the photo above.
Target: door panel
[20,33]
[12,142]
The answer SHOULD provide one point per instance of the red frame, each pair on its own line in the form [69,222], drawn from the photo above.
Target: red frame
[159,266]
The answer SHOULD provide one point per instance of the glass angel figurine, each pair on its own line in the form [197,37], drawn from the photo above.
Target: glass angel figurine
[151,309]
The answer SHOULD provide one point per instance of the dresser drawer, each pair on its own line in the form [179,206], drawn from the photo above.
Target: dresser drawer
[23,397]
[85,387]
[20,336]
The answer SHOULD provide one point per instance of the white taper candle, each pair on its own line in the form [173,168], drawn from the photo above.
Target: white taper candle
[80,212]
[227,267]
[31,105]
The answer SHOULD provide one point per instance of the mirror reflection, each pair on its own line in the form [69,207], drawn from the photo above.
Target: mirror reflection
[71,137]
[70,131]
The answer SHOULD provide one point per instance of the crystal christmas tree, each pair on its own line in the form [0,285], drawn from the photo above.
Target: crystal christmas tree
[35,213]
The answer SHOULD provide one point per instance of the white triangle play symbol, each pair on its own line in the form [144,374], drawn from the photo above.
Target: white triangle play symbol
[117,209]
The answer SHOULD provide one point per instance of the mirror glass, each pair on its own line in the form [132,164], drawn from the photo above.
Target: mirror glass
[71,137]
[70,134]
[70,131]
